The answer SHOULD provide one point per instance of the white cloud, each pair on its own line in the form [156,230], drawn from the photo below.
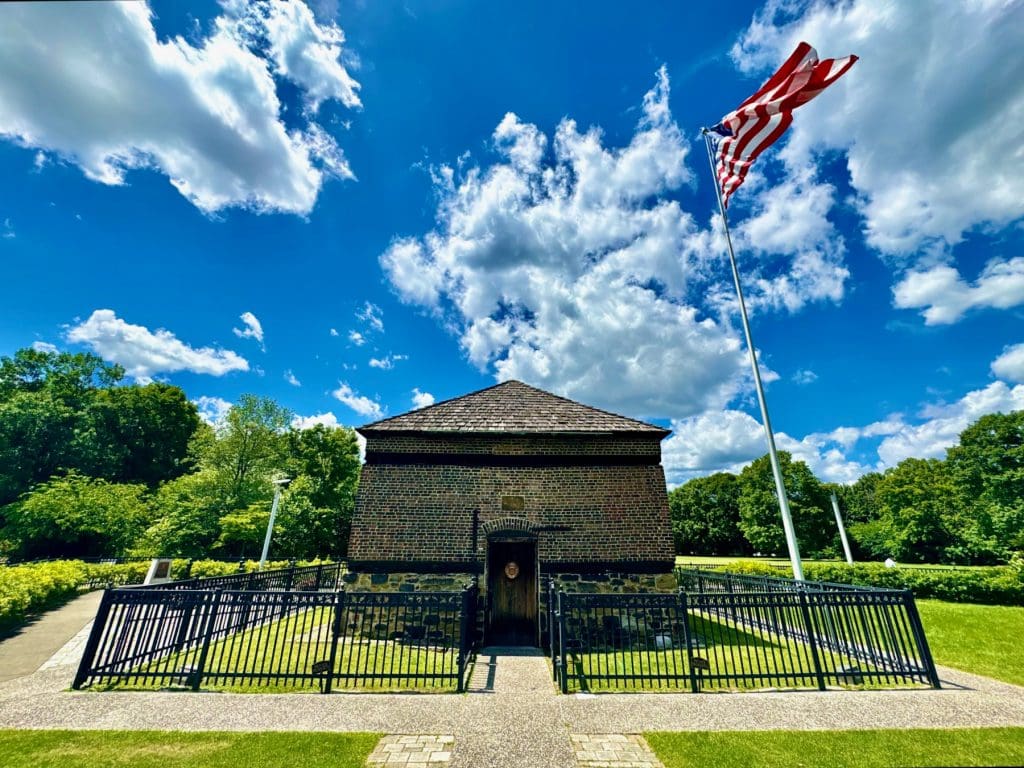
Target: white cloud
[373,316]
[944,296]
[253,328]
[212,410]
[566,265]
[387,362]
[361,404]
[291,379]
[1010,364]
[215,130]
[927,117]
[356,338]
[421,399]
[805,376]
[334,331]
[44,346]
[327,419]
[144,353]
[944,423]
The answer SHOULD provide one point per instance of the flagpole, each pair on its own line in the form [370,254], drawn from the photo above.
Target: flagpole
[780,486]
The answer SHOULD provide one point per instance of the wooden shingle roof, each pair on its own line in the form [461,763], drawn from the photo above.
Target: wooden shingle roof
[511,408]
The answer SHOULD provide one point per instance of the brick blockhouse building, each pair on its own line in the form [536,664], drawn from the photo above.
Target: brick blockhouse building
[515,485]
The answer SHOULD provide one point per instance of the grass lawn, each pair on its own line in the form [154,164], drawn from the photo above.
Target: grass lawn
[173,749]
[984,639]
[836,749]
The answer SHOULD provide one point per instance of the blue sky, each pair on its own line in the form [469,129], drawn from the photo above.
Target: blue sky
[356,208]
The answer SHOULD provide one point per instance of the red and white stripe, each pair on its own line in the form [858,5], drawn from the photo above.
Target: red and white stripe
[765,116]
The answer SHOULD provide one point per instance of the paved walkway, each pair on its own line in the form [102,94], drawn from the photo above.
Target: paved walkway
[512,716]
[37,642]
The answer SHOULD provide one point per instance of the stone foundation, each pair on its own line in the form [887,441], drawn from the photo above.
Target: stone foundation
[405,582]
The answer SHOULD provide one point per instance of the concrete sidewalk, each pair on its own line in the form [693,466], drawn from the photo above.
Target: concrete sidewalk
[37,642]
[513,716]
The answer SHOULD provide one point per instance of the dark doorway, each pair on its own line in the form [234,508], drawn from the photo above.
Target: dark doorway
[512,592]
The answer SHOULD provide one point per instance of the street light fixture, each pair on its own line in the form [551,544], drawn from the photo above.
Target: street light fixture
[279,484]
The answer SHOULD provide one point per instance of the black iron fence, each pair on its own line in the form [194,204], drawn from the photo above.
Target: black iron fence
[277,639]
[727,632]
[294,578]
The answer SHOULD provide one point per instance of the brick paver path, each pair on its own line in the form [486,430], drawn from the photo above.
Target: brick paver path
[613,750]
[412,751]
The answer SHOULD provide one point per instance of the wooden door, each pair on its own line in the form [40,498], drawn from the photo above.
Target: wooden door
[512,590]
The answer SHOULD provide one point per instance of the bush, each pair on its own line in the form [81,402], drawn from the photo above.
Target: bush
[996,585]
[28,589]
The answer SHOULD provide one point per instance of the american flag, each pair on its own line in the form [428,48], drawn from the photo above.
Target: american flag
[766,115]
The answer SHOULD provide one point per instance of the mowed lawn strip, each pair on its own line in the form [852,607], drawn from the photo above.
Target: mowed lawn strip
[175,749]
[838,749]
[983,639]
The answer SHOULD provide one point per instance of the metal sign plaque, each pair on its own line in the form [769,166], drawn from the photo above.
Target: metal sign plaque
[512,570]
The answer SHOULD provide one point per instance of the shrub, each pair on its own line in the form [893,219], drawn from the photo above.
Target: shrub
[996,585]
[28,589]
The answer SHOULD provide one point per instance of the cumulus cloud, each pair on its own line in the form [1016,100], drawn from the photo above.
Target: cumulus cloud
[212,410]
[327,419]
[334,331]
[292,379]
[144,353]
[1010,364]
[805,376]
[216,130]
[421,399]
[361,404]
[943,423]
[926,117]
[44,346]
[253,328]
[944,296]
[356,338]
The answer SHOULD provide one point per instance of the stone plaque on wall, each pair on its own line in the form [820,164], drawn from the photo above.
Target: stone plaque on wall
[512,504]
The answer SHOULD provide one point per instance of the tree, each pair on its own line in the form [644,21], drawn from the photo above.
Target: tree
[251,445]
[186,517]
[918,513]
[325,464]
[79,516]
[705,516]
[760,520]
[988,468]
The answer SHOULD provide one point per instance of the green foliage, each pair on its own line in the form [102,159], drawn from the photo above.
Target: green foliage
[996,585]
[82,515]
[705,515]
[760,520]
[28,589]
[64,412]
[186,514]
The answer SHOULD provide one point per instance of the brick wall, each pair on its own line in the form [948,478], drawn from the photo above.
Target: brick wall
[607,512]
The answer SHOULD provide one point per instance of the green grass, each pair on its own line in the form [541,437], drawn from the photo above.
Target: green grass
[983,639]
[173,749]
[290,646]
[839,749]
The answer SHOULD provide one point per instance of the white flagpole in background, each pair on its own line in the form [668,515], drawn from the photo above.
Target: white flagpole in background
[842,529]
[780,486]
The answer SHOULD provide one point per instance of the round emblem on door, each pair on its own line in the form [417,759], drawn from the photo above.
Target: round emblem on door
[512,570]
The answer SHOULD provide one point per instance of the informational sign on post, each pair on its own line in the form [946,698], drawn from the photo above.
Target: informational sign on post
[159,571]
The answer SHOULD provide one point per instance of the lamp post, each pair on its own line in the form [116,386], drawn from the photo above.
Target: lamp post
[279,484]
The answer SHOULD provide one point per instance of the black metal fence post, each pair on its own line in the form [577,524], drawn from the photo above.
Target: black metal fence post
[552,652]
[92,644]
[336,630]
[812,641]
[211,618]
[684,616]
[563,668]
[917,628]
